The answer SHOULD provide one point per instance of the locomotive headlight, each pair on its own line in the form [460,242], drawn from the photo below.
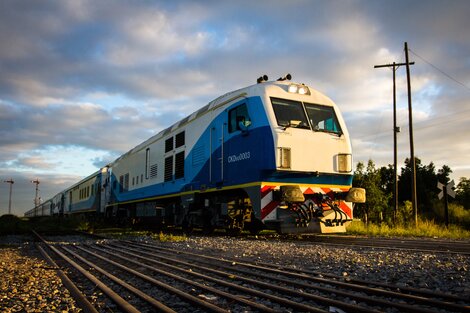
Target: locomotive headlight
[344,163]
[299,89]
[293,88]
[284,158]
[303,90]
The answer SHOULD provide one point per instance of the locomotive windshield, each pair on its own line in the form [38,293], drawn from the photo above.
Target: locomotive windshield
[288,111]
[292,114]
[322,118]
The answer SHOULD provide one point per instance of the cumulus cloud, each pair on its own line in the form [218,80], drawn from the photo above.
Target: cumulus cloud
[94,79]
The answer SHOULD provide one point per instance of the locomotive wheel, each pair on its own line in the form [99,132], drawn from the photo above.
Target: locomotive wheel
[208,229]
[187,227]
[233,231]
[255,226]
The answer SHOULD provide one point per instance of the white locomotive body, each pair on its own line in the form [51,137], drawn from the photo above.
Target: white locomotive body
[273,155]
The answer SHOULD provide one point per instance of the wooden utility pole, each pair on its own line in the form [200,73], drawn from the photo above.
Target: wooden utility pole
[396,130]
[414,198]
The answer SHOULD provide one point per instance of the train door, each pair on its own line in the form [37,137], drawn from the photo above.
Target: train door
[237,144]
[70,201]
[216,168]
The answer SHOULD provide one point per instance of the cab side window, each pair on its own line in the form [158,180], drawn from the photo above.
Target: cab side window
[238,118]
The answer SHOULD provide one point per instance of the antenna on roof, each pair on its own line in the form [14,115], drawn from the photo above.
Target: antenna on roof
[288,77]
[262,79]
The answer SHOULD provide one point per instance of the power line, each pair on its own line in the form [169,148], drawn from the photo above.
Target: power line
[444,119]
[439,70]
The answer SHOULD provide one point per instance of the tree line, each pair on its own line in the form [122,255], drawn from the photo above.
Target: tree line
[379,185]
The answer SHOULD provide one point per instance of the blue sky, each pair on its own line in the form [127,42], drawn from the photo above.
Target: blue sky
[82,82]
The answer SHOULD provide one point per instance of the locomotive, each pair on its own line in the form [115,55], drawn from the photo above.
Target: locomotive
[273,155]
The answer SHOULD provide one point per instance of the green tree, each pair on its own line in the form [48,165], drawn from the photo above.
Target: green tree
[426,185]
[463,192]
[387,181]
[443,174]
[376,206]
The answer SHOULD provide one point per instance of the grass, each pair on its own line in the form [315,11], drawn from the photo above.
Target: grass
[425,228]
[127,232]
[10,224]
[169,237]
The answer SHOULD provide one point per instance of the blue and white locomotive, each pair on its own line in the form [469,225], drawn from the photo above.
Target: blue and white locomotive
[274,155]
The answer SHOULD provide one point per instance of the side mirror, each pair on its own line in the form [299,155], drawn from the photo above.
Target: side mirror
[243,125]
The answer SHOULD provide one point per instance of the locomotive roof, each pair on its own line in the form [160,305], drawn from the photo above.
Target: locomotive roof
[221,100]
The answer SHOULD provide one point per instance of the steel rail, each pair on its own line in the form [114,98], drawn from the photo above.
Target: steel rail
[201,303]
[80,298]
[253,292]
[123,304]
[153,302]
[282,290]
[347,285]
[416,291]
[411,290]
[427,246]
[372,301]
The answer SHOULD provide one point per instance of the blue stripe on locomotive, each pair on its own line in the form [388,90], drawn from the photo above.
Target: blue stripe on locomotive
[250,153]
[248,157]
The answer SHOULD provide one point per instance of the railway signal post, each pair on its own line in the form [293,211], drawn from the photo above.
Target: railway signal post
[446,191]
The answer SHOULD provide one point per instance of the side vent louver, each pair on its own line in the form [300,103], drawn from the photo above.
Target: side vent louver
[153,171]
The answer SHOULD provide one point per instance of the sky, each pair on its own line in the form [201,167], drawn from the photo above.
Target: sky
[83,81]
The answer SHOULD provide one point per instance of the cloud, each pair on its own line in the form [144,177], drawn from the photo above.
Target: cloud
[23,191]
[82,82]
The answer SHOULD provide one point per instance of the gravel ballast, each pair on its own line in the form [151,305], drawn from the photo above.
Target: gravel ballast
[29,284]
[449,273]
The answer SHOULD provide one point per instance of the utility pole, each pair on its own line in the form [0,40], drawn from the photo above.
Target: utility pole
[36,199]
[11,182]
[396,130]
[414,198]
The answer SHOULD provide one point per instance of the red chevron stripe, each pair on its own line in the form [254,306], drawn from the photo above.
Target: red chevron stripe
[268,209]
[266,190]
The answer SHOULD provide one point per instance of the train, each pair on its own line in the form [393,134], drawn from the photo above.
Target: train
[275,155]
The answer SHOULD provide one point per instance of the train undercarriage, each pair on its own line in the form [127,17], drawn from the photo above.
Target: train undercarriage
[236,210]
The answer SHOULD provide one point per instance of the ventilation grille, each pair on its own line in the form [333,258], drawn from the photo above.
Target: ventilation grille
[153,171]
[168,168]
[179,165]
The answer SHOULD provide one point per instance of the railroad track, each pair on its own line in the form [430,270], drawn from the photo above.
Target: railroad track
[142,277]
[417,245]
